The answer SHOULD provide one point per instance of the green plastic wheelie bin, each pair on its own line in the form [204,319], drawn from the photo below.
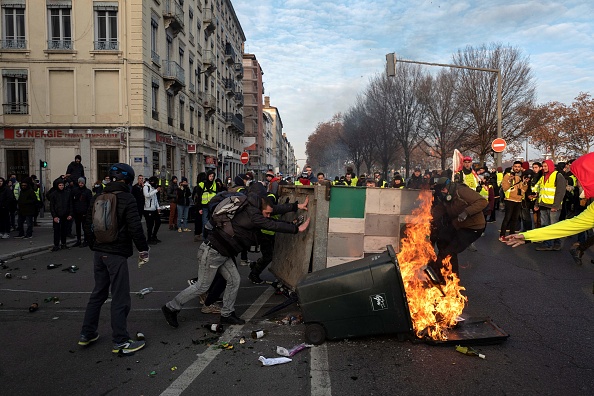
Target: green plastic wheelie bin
[361,298]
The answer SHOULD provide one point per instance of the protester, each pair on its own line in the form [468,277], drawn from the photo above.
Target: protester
[551,191]
[7,201]
[416,180]
[197,198]
[138,194]
[27,207]
[172,198]
[151,209]
[75,170]
[61,210]
[110,262]
[206,190]
[81,199]
[182,201]
[514,187]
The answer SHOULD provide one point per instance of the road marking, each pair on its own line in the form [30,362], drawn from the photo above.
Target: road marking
[319,371]
[205,358]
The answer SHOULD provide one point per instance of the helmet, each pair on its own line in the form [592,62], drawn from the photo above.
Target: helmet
[121,171]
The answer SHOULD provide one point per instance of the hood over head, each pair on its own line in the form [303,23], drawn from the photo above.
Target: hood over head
[582,169]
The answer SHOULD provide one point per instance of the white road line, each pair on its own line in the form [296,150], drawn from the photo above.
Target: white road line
[205,358]
[319,371]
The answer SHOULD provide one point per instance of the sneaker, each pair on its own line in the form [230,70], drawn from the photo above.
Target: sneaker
[576,254]
[128,347]
[64,246]
[255,278]
[170,316]
[192,281]
[179,230]
[232,319]
[502,239]
[28,237]
[187,230]
[86,340]
[246,262]
[5,236]
[151,241]
[211,309]
[157,240]
[203,296]
[544,248]
[19,236]
[55,248]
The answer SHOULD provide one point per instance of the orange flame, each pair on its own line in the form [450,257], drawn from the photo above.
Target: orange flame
[432,312]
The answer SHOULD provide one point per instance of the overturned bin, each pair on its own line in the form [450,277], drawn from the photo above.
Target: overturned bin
[359,298]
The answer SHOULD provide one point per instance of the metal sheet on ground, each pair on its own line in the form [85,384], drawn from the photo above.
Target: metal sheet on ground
[292,253]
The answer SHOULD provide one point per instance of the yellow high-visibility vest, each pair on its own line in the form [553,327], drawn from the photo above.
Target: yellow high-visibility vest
[207,195]
[484,192]
[268,232]
[547,190]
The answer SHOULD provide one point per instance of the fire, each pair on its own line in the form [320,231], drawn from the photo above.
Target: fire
[432,312]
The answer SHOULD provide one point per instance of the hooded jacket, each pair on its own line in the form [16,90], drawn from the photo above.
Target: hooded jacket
[463,199]
[128,220]
[7,199]
[81,199]
[582,169]
[560,184]
[60,201]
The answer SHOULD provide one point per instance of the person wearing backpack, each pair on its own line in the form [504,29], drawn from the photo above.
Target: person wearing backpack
[110,260]
[61,210]
[151,209]
[206,191]
[224,242]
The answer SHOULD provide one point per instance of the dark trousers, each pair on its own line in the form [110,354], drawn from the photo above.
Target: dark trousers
[216,289]
[457,242]
[267,249]
[526,217]
[79,220]
[511,218]
[109,269]
[12,215]
[22,220]
[4,221]
[153,222]
[60,231]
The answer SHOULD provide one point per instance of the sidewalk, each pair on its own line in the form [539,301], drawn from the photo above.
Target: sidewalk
[43,239]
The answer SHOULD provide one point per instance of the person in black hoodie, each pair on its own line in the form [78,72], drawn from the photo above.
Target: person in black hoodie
[7,201]
[81,200]
[416,180]
[27,203]
[61,210]
[75,170]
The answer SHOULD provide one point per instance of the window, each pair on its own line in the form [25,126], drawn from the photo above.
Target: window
[182,120]
[155,100]
[106,27]
[60,27]
[13,28]
[191,68]
[191,119]
[15,92]
[106,158]
[170,109]
[154,43]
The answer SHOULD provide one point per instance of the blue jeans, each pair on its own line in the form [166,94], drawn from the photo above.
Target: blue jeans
[548,217]
[182,216]
[209,262]
[110,270]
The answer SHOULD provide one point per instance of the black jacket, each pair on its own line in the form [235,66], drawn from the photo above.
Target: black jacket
[7,199]
[183,196]
[139,196]
[128,221]
[75,170]
[81,199]
[246,227]
[27,202]
[61,203]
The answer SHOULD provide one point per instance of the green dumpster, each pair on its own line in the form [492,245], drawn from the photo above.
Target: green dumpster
[360,298]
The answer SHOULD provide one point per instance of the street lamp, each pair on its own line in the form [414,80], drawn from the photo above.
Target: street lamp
[391,60]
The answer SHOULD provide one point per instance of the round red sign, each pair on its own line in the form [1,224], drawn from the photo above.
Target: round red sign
[498,145]
[245,157]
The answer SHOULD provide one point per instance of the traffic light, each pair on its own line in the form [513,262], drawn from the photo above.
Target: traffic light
[42,164]
[391,64]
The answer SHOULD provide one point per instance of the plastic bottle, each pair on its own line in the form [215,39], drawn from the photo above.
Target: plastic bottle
[259,334]
[144,291]
[214,327]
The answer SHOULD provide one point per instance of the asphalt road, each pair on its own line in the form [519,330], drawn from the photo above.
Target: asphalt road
[542,299]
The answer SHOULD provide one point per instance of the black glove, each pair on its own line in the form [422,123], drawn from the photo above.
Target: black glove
[462,216]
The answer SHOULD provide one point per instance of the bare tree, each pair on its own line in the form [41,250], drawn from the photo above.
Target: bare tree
[357,136]
[580,125]
[550,136]
[324,146]
[443,124]
[478,93]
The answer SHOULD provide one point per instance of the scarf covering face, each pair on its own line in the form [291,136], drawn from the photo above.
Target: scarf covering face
[582,169]
[551,170]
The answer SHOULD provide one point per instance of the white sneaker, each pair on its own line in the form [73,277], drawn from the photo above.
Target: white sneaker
[213,308]
[472,248]
[5,236]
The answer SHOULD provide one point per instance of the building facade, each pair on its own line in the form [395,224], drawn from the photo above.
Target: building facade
[154,83]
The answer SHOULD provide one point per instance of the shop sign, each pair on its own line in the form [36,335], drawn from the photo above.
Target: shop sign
[51,134]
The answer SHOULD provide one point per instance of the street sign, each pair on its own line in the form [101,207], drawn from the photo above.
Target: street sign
[245,157]
[498,145]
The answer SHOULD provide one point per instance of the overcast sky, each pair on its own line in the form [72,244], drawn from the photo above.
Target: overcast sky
[318,55]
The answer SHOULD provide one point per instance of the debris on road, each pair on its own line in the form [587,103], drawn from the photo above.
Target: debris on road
[274,361]
[259,333]
[34,307]
[469,351]
[293,351]
[144,291]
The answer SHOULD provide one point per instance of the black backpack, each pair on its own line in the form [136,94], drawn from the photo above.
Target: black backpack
[222,208]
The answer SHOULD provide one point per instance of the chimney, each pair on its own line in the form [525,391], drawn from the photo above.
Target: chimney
[266,101]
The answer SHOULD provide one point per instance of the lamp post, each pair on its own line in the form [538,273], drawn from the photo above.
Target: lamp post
[391,71]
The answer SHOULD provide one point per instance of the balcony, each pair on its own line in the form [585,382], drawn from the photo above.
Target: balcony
[229,54]
[239,99]
[229,86]
[60,45]
[173,14]
[208,59]
[234,122]
[107,45]
[155,57]
[16,108]
[192,87]
[174,76]
[211,22]
[198,48]
[239,70]
[209,103]
[11,44]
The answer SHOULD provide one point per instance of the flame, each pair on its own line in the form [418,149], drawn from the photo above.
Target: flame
[432,312]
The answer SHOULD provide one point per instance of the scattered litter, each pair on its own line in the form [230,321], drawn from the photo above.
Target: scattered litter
[53,266]
[224,345]
[55,317]
[8,275]
[214,327]
[259,333]
[25,277]
[274,361]
[152,374]
[241,340]
[72,269]
[206,341]
[469,351]
[34,307]
[173,368]
[291,320]
[144,291]
[55,300]
[293,351]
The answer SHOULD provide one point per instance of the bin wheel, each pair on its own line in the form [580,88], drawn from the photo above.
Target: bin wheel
[315,333]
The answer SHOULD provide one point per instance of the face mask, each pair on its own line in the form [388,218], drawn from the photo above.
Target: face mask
[13,180]
[96,185]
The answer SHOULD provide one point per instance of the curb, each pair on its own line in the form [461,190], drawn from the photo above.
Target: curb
[28,251]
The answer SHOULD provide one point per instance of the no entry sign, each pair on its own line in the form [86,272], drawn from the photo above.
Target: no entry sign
[245,157]
[498,145]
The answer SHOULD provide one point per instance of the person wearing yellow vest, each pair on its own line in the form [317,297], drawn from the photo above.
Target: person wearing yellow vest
[468,176]
[514,188]
[206,190]
[487,193]
[551,191]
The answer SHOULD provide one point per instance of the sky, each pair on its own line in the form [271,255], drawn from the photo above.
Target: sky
[318,55]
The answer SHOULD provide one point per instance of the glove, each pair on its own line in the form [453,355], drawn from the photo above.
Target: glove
[462,216]
[143,258]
